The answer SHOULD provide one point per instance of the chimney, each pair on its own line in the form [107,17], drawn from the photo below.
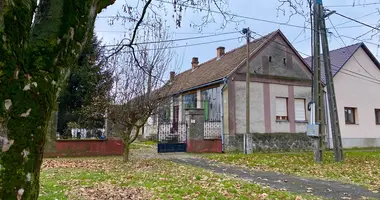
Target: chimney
[194,62]
[220,52]
[172,75]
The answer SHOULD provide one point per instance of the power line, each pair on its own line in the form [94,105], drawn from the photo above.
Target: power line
[175,40]
[302,31]
[360,40]
[352,5]
[181,46]
[174,33]
[341,69]
[362,23]
[235,15]
[366,15]
[349,49]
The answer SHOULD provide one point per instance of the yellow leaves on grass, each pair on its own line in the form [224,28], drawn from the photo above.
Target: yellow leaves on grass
[109,191]
[361,167]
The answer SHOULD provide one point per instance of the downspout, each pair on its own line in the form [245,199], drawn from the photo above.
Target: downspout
[222,112]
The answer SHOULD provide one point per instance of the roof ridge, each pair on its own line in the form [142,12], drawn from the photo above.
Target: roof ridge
[234,49]
[359,43]
[342,48]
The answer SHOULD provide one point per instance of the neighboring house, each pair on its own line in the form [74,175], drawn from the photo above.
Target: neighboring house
[357,84]
[280,88]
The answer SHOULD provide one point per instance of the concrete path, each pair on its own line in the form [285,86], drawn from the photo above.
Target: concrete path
[322,188]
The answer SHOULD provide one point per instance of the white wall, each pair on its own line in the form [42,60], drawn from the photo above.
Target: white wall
[256,107]
[277,91]
[303,92]
[362,94]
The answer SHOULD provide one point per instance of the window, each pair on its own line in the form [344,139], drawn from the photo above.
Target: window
[189,101]
[349,115]
[165,114]
[377,116]
[281,109]
[299,109]
[211,103]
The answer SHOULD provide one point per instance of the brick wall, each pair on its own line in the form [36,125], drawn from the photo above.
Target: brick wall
[204,146]
[86,148]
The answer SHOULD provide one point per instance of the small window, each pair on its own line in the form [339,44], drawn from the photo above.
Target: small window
[281,109]
[349,115]
[270,58]
[284,60]
[377,116]
[299,109]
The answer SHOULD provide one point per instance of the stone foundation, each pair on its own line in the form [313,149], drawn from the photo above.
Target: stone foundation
[268,142]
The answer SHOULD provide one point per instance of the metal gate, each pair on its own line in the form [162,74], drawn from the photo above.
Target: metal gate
[172,137]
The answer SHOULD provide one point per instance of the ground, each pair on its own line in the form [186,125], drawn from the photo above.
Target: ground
[360,166]
[153,177]
[187,176]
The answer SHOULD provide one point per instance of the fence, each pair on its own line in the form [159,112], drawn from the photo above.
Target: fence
[169,132]
[212,129]
[84,134]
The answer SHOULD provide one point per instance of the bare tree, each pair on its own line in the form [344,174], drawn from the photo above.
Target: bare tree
[40,41]
[139,92]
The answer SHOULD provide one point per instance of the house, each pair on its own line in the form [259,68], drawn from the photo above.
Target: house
[280,88]
[356,74]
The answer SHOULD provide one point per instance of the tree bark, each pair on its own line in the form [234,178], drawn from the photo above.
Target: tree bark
[126,138]
[34,61]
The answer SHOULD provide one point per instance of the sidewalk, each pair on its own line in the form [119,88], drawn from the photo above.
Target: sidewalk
[322,188]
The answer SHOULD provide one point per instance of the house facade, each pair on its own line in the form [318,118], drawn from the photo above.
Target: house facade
[280,88]
[356,74]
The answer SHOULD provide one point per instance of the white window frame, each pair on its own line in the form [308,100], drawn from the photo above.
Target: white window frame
[282,114]
[297,101]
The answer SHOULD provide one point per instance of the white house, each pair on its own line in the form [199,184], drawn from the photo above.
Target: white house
[356,74]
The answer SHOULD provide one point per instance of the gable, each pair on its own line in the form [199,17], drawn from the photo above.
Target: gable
[361,66]
[214,70]
[278,59]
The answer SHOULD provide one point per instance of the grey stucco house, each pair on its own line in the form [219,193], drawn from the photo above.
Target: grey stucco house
[280,88]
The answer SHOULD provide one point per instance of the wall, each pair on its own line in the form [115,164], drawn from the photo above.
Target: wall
[263,107]
[362,94]
[278,49]
[269,142]
[87,148]
[225,109]
[272,78]
[205,146]
[256,107]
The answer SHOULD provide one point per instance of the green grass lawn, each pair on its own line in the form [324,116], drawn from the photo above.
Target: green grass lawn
[106,178]
[360,167]
[143,144]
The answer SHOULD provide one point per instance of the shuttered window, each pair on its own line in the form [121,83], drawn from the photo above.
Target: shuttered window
[299,109]
[281,109]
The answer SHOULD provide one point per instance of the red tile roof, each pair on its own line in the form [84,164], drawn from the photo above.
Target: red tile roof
[216,69]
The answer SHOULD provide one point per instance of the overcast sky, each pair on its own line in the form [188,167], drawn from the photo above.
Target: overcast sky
[263,9]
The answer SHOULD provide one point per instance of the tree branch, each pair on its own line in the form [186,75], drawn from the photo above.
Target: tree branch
[134,34]
[135,136]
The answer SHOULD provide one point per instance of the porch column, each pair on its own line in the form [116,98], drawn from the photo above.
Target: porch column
[199,97]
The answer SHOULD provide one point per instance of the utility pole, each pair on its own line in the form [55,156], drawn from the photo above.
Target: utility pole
[317,86]
[247,33]
[320,33]
[333,111]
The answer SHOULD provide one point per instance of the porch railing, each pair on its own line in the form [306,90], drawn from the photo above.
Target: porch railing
[212,129]
[169,132]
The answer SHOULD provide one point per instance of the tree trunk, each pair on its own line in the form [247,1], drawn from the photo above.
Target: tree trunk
[126,152]
[126,139]
[34,60]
